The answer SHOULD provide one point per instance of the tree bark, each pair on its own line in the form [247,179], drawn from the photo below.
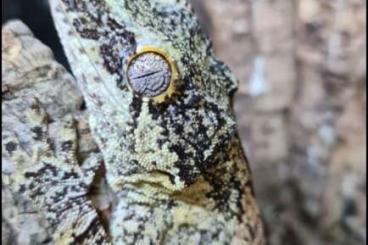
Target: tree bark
[301,111]
[30,71]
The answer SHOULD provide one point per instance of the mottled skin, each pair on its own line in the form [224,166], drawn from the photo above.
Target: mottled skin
[175,165]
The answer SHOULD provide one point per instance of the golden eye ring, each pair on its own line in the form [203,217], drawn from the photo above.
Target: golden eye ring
[152,73]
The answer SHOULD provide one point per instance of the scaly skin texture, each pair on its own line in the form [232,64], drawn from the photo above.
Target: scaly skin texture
[174,165]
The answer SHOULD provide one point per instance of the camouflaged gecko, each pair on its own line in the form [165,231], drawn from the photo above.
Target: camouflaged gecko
[160,111]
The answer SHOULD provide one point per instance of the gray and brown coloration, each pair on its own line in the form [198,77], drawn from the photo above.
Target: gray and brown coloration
[172,155]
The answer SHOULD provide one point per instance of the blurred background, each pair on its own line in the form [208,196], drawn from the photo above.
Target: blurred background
[301,106]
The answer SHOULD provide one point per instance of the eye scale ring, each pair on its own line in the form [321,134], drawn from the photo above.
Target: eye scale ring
[152,73]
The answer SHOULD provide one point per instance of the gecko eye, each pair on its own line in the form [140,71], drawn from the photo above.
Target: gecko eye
[149,74]
[152,73]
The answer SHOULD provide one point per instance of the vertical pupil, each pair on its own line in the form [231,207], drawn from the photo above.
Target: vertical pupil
[149,74]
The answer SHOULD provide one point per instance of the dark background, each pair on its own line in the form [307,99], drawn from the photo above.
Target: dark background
[36,15]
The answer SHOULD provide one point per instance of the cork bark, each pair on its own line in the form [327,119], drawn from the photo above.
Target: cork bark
[28,71]
[301,109]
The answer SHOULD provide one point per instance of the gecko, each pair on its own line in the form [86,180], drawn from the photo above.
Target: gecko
[170,166]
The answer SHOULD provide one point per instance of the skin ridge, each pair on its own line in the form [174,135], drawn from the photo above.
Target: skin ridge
[175,169]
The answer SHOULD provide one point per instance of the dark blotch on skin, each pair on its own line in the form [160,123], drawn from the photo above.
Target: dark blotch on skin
[38,133]
[67,145]
[10,147]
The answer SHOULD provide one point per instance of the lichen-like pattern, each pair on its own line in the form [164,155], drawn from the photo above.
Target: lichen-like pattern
[49,174]
[175,165]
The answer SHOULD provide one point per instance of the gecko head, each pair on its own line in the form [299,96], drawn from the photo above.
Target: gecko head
[181,120]
[162,104]
[181,115]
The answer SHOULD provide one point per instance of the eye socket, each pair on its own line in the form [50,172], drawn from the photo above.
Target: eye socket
[152,73]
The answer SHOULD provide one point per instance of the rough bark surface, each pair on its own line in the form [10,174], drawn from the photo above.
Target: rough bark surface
[29,70]
[301,111]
